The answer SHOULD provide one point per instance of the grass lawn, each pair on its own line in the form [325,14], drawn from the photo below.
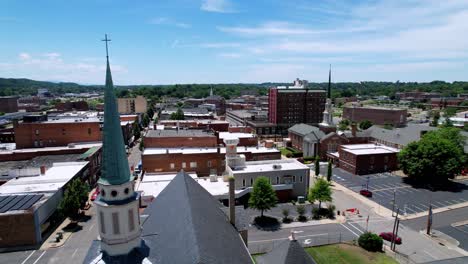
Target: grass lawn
[285,151]
[343,253]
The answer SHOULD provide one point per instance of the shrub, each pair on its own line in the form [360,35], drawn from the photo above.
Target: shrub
[289,155]
[331,211]
[301,212]
[370,242]
[309,158]
[286,218]
[315,213]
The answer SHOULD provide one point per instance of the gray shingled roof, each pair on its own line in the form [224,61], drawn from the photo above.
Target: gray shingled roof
[314,136]
[185,224]
[288,252]
[303,129]
[401,136]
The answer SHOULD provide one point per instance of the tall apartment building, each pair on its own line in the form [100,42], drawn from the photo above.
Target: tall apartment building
[290,105]
[135,105]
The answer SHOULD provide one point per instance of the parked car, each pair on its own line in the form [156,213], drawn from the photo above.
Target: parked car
[389,237]
[365,193]
[95,194]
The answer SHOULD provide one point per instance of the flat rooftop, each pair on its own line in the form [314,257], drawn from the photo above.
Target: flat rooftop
[161,151]
[368,149]
[36,162]
[84,145]
[178,133]
[234,135]
[54,179]
[270,165]
[376,108]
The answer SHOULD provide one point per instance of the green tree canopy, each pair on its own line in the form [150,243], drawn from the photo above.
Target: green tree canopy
[370,242]
[321,192]
[262,197]
[438,156]
[136,130]
[178,115]
[343,124]
[145,121]
[74,198]
[365,124]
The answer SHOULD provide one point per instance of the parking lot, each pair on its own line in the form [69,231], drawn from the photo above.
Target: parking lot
[386,187]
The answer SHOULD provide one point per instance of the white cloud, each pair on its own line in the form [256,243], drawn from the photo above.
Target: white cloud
[24,56]
[218,6]
[51,66]
[218,45]
[168,22]
[229,55]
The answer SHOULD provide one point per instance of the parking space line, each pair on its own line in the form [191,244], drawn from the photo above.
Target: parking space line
[39,257]
[439,203]
[419,208]
[26,259]
[408,208]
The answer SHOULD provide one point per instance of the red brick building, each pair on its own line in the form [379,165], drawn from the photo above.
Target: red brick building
[179,138]
[203,161]
[377,115]
[73,106]
[56,133]
[365,158]
[290,106]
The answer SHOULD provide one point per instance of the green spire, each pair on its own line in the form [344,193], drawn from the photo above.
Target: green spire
[114,170]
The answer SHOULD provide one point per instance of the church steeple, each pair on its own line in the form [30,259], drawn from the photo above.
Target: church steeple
[329,84]
[115,169]
[117,204]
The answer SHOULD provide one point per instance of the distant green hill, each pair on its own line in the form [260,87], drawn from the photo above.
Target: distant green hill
[29,87]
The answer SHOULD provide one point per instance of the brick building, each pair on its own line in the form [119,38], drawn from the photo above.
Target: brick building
[8,104]
[51,133]
[444,102]
[214,125]
[73,106]
[377,115]
[295,104]
[365,158]
[204,160]
[179,138]
[219,102]
[416,96]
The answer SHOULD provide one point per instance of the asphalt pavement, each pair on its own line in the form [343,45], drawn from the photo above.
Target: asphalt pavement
[387,187]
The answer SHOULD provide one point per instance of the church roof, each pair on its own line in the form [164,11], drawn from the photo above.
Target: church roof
[288,252]
[303,129]
[115,169]
[185,224]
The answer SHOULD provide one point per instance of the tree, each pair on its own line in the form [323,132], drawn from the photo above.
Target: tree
[178,115]
[74,198]
[263,197]
[321,192]
[150,112]
[142,145]
[285,213]
[449,112]
[343,124]
[370,242]
[365,124]
[136,130]
[329,171]
[317,166]
[435,118]
[145,121]
[438,156]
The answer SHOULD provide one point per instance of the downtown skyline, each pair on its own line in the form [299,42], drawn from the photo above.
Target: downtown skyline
[221,41]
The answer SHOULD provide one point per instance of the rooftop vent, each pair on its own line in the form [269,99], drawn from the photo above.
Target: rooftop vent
[276,166]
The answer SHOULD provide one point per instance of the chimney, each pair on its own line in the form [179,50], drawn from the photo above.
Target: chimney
[353,129]
[232,202]
[43,170]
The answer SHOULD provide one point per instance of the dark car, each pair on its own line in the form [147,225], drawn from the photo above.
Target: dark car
[365,193]
[389,237]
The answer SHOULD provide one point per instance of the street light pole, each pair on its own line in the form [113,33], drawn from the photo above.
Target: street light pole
[393,202]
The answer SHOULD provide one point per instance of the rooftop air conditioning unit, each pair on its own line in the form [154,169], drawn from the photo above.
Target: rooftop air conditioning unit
[213,178]
[276,166]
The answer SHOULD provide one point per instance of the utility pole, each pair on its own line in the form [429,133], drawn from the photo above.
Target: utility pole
[396,233]
[393,202]
[367,183]
[394,229]
[429,220]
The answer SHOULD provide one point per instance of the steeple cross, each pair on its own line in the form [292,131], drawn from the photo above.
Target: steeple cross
[107,50]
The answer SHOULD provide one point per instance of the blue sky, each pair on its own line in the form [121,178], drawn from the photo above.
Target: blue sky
[228,41]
